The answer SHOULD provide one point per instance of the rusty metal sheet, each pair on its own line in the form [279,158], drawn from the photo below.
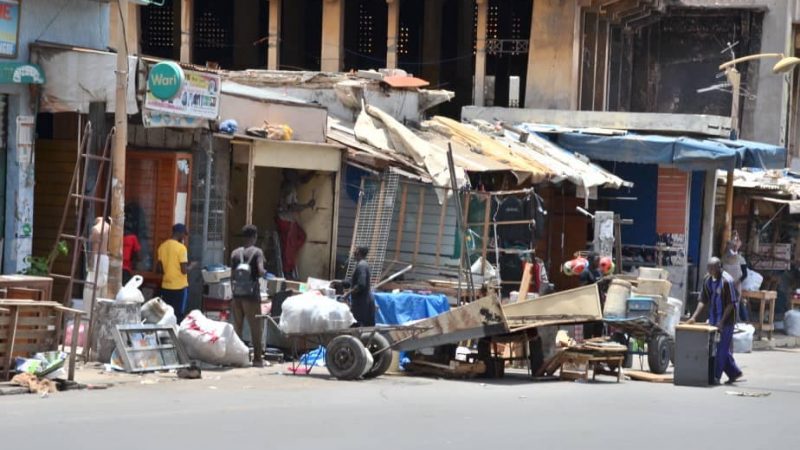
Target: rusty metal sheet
[478,319]
[573,306]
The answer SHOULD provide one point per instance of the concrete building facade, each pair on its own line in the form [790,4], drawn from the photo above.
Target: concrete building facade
[35,21]
[625,55]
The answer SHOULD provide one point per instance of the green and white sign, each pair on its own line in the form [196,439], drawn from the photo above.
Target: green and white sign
[165,80]
[21,73]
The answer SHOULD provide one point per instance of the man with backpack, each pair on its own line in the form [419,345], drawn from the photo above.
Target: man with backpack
[248,266]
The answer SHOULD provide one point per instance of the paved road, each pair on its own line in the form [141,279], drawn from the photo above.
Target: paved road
[259,409]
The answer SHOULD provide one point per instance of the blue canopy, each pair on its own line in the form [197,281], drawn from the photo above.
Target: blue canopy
[682,152]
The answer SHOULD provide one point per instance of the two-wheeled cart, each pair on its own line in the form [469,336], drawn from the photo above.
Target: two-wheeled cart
[659,343]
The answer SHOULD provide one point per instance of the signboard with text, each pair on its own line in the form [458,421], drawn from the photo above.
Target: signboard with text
[198,96]
[9,28]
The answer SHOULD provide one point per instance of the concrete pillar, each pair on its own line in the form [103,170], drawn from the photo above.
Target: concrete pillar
[392,32]
[432,41]
[18,243]
[332,35]
[765,118]
[480,53]
[274,35]
[707,230]
[553,59]
[187,30]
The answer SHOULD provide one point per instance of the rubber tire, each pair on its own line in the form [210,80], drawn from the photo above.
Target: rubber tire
[346,357]
[658,354]
[374,343]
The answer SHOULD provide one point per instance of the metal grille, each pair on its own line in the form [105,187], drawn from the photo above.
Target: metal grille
[374,222]
[366,29]
[211,32]
[158,29]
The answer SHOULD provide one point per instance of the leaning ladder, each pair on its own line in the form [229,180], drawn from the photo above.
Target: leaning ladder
[78,241]
[373,224]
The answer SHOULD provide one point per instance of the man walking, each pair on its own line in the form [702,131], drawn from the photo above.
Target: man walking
[719,293]
[361,302]
[248,266]
[173,263]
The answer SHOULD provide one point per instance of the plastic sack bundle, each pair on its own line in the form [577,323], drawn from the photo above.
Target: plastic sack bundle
[158,312]
[130,292]
[743,338]
[791,322]
[314,313]
[211,341]
[753,281]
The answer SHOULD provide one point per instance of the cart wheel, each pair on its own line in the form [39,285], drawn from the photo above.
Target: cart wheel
[346,357]
[375,342]
[658,354]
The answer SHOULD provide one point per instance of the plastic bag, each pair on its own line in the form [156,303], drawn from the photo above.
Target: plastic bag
[158,312]
[313,313]
[130,292]
[211,341]
[791,322]
[753,281]
[743,338]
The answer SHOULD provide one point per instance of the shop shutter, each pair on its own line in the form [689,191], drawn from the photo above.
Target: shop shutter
[672,201]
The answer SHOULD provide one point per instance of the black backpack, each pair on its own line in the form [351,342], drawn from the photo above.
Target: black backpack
[244,283]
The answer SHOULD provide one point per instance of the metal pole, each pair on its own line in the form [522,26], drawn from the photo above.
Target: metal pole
[461,225]
[118,157]
[735,79]
[207,193]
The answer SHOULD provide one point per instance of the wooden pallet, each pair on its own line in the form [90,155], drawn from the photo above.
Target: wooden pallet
[639,375]
[29,327]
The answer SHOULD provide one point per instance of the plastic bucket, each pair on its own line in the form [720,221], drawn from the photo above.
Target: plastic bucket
[617,298]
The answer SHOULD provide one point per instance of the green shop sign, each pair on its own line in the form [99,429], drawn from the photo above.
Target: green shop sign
[21,73]
[165,80]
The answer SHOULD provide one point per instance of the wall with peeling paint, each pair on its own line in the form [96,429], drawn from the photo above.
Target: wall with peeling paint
[52,21]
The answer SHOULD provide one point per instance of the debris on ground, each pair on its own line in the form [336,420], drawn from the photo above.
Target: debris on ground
[748,394]
[640,375]
[34,384]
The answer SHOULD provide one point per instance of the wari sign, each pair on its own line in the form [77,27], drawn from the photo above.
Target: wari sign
[197,96]
[21,73]
[9,28]
[165,80]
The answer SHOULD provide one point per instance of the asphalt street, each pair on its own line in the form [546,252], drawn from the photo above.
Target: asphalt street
[265,409]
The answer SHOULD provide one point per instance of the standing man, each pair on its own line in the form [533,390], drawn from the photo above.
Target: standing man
[173,263]
[248,266]
[719,293]
[131,247]
[361,302]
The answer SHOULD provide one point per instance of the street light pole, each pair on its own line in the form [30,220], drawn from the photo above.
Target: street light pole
[118,158]
[784,65]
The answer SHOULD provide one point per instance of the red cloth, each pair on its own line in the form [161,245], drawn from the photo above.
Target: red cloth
[292,240]
[130,245]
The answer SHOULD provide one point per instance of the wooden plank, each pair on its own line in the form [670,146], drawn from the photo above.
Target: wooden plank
[420,215]
[710,125]
[485,237]
[525,284]
[582,303]
[12,330]
[639,375]
[401,220]
[442,218]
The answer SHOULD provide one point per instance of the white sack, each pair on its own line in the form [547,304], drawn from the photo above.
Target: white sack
[753,281]
[791,322]
[211,341]
[130,292]
[743,338]
[314,313]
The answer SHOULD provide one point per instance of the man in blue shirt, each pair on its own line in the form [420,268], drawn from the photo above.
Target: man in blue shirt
[719,293]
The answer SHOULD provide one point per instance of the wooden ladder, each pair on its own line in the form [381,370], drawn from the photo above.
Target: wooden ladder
[78,240]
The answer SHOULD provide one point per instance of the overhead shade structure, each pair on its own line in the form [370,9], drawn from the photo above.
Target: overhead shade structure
[682,152]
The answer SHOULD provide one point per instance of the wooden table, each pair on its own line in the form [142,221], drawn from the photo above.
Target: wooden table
[576,366]
[766,310]
[44,284]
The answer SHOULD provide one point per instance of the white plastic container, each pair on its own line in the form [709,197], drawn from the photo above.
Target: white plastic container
[791,322]
[617,299]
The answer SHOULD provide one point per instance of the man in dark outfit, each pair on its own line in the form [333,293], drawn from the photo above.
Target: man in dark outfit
[719,293]
[361,302]
[247,305]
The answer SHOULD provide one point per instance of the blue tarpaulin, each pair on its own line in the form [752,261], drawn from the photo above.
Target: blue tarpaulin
[683,152]
[404,307]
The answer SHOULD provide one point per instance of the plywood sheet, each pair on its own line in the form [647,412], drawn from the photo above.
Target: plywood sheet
[575,305]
